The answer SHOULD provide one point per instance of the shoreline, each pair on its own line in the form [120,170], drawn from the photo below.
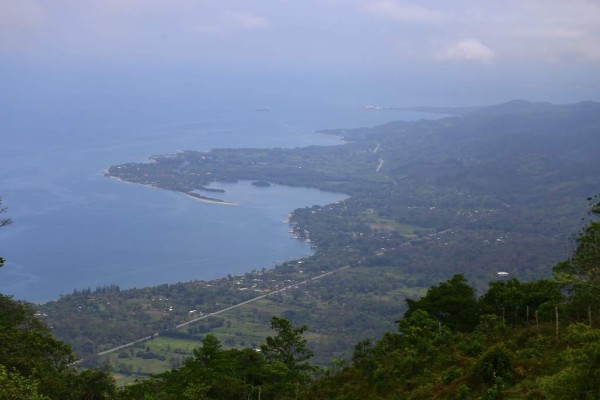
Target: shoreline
[207,201]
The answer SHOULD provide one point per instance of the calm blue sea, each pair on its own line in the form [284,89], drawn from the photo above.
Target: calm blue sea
[74,228]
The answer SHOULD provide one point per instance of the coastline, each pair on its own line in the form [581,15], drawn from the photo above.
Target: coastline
[202,200]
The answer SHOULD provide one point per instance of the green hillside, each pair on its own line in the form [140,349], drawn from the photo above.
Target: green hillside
[518,340]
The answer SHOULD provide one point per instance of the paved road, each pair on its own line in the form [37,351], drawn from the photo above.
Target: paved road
[102,353]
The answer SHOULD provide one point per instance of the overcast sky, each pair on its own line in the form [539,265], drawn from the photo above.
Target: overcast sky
[484,40]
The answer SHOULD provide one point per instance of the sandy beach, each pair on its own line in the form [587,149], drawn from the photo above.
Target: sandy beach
[208,201]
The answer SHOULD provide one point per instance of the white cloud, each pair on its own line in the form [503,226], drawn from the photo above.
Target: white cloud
[402,11]
[468,50]
[329,31]
[527,30]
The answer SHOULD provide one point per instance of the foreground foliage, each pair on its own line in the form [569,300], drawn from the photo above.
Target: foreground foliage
[530,341]
[35,365]
[505,355]
[496,357]
[278,370]
[516,341]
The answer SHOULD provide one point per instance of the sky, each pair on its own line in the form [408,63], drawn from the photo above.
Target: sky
[404,52]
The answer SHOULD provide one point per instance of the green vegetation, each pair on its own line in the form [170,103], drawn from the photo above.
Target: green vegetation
[279,370]
[542,351]
[452,303]
[496,188]
[517,341]
[35,365]
[339,310]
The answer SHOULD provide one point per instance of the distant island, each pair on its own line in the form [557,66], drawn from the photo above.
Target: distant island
[261,183]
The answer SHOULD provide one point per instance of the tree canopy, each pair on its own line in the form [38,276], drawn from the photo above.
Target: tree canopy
[452,303]
[449,345]
[288,346]
[37,365]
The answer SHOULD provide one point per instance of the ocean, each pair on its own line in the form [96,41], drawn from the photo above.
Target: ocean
[74,228]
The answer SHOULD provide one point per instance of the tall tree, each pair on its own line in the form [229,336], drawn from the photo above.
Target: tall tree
[511,299]
[581,272]
[15,387]
[453,303]
[288,346]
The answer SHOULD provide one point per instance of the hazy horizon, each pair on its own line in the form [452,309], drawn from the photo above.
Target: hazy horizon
[110,57]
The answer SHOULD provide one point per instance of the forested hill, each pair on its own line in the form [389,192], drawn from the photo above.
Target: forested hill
[496,189]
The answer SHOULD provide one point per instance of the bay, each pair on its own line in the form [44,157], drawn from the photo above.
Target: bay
[76,229]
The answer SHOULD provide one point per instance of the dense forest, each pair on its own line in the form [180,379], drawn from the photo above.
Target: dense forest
[531,340]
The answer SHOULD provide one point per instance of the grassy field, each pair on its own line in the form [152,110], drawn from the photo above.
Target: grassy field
[331,333]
